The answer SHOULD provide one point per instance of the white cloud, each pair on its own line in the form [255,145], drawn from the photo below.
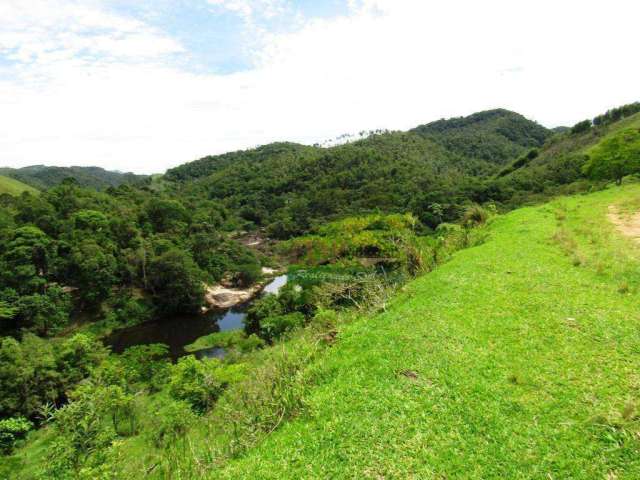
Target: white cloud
[388,64]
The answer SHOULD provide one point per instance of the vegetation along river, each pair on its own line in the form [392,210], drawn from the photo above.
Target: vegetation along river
[178,331]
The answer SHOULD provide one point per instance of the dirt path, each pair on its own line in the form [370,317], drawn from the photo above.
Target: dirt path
[627,225]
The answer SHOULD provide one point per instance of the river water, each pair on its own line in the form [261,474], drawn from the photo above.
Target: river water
[178,331]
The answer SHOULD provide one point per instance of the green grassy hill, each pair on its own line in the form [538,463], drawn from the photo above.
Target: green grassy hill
[44,177]
[559,163]
[517,359]
[14,187]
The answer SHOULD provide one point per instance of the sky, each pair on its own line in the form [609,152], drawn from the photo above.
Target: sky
[146,85]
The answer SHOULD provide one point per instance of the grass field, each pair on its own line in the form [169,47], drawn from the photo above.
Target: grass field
[518,359]
[14,187]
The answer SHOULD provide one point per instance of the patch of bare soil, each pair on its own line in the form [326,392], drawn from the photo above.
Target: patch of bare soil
[627,225]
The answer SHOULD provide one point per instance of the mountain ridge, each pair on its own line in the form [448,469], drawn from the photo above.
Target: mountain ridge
[43,177]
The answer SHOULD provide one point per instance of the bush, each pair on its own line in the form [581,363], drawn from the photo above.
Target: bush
[272,328]
[474,216]
[250,343]
[267,306]
[201,382]
[247,274]
[581,127]
[274,392]
[144,362]
[170,422]
[12,430]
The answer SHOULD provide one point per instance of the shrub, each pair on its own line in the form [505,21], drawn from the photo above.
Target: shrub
[144,362]
[274,393]
[581,127]
[267,306]
[247,274]
[12,430]
[170,422]
[272,328]
[365,293]
[474,216]
[250,343]
[201,382]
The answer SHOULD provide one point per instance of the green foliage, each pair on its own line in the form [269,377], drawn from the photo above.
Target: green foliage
[29,377]
[494,135]
[166,215]
[615,157]
[44,314]
[143,363]
[176,282]
[617,114]
[170,422]
[474,216]
[94,268]
[77,356]
[7,312]
[581,127]
[261,308]
[35,372]
[288,188]
[90,220]
[201,382]
[101,246]
[12,186]
[503,333]
[274,327]
[229,340]
[11,431]
[25,260]
[43,177]
[81,430]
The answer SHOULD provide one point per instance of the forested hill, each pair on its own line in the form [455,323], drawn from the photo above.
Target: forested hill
[495,135]
[43,177]
[287,186]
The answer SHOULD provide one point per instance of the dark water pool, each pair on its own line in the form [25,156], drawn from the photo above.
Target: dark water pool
[176,332]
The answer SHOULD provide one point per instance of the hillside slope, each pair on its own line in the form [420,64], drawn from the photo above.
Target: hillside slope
[13,186]
[43,177]
[288,186]
[517,359]
[494,135]
[560,161]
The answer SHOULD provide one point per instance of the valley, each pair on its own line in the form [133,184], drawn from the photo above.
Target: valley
[458,300]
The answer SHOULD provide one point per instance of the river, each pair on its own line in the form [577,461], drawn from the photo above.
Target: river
[181,330]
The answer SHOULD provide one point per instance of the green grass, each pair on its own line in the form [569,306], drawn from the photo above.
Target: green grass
[507,362]
[519,358]
[14,187]
[213,340]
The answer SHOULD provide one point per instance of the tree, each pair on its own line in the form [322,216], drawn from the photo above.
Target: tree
[44,313]
[176,282]
[7,312]
[615,157]
[26,260]
[581,127]
[165,214]
[28,376]
[93,270]
[272,328]
[77,357]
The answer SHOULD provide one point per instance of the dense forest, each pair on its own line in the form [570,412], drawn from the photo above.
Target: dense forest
[95,252]
[42,177]
[432,171]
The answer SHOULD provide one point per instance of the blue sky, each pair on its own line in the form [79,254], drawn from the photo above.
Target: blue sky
[150,84]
